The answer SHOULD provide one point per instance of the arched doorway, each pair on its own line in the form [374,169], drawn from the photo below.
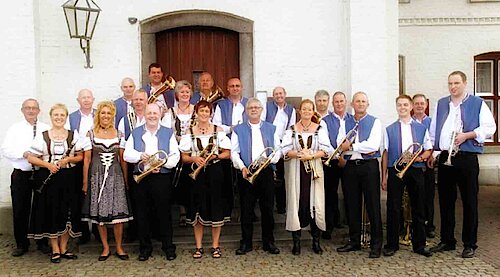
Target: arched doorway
[185,52]
[152,28]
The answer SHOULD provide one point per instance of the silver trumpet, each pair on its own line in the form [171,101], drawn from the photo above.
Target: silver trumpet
[453,150]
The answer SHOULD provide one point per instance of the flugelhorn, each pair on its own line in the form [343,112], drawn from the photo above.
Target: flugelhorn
[316,118]
[260,163]
[167,85]
[406,159]
[216,94]
[154,162]
[453,150]
[338,151]
[309,166]
[206,153]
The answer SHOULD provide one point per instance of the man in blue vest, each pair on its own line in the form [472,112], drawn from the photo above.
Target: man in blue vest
[282,115]
[405,136]
[80,122]
[461,121]
[154,193]
[229,113]
[248,142]
[335,126]
[155,74]
[206,85]
[124,104]
[419,109]
[362,175]
[139,102]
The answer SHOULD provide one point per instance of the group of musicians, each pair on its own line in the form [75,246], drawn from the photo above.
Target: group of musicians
[167,143]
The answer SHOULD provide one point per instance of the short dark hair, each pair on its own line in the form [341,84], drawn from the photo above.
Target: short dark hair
[155,65]
[202,104]
[404,96]
[460,73]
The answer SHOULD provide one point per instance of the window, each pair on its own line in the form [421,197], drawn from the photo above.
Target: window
[486,85]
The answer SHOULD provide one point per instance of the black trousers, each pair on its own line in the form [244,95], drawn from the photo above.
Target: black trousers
[280,186]
[429,188]
[21,191]
[363,178]
[132,186]
[414,183]
[464,173]
[262,189]
[153,196]
[333,175]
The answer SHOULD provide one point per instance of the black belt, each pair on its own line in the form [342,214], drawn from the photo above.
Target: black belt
[460,153]
[359,161]
[23,171]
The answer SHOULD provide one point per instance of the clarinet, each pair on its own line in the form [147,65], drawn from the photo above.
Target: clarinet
[66,154]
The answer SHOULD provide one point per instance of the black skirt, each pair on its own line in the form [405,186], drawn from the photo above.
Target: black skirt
[53,211]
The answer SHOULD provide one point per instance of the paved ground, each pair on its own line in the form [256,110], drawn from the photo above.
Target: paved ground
[258,263]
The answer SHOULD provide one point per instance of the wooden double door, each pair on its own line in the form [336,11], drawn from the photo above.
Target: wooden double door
[186,52]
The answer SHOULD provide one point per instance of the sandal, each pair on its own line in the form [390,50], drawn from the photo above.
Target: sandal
[55,258]
[68,255]
[216,253]
[198,253]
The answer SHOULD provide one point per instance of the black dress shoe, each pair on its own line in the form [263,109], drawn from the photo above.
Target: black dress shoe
[271,248]
[144,257]
[374,253]
[170,255]
[326,235]
[19,252]
[423,252]
[68,255]
[243,249]
[348,248]
[102,258]
[55,258]
[45,249]
[442,247]
[388,252]
[468,253]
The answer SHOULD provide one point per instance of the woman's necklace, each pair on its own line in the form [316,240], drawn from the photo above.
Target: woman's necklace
[105,129]
[305,128]
[203,130]
[183,110]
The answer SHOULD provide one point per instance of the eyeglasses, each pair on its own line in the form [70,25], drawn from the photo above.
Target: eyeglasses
[254,108]
[30,108]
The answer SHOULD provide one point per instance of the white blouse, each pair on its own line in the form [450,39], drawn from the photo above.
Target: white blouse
[57,148]
[320,142]
[188,145]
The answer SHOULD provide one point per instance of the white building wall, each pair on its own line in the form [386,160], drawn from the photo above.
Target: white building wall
[438,37]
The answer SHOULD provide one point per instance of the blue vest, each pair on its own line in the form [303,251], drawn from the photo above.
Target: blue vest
[469,110]
[272,110]
[121,110]
[364,130]
[333,125]
[126,125]
[164,134]
[244,132]
[226,108]
[195,98]
[168,95]
[394,134]
[74,120]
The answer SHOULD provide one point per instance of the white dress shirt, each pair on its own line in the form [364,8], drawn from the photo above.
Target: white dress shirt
[150,147]
[18,140]
[138,122]
[372,144]
[86,123]
[237,117]
[407,137]
[281,120]
[486,129]
[257,147]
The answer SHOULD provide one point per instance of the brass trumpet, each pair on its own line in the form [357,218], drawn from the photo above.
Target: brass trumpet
[309,164]
[260,163]
[153,163]
[406,159]
[316,118]
[167,85]
[215,95]
[338,151]
[206,153]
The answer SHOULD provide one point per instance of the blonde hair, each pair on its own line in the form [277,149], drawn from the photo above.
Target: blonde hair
[97,118]
[58,106]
